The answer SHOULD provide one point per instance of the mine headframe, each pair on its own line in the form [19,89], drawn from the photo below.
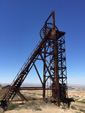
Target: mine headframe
[51,51]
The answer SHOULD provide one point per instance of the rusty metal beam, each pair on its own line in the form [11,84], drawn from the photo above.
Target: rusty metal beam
[31,88]
[56,70]
[47,78]
[50,53]
[53,18]
[38,73]
[47,67]
[21,96]
[36,88]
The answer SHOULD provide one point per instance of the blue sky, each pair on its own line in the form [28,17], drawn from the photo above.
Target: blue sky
[20,23]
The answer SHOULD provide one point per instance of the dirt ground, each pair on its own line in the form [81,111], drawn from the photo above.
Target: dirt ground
[47,109]
[42,107]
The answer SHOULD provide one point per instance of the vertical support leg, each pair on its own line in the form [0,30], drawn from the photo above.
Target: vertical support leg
[56,71]
[44,69]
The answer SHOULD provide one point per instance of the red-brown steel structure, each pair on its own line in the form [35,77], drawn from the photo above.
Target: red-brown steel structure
[50,50]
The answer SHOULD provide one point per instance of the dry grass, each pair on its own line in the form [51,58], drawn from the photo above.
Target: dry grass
[2,92]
